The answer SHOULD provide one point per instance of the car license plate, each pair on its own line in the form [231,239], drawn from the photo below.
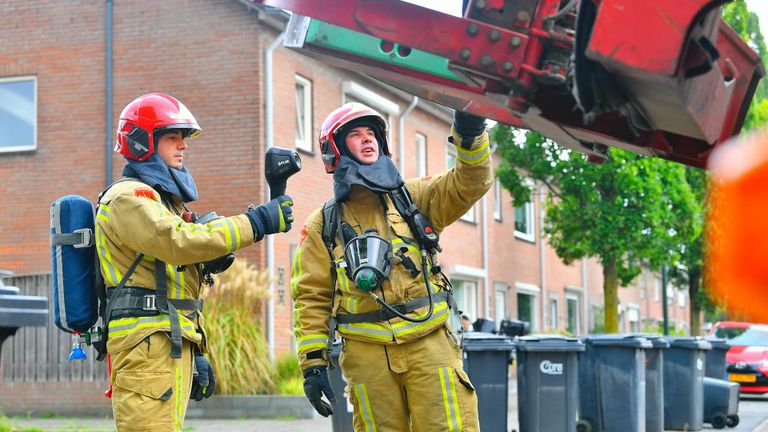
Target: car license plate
[745,378]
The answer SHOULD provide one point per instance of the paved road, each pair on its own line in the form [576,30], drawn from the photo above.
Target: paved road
[753,412]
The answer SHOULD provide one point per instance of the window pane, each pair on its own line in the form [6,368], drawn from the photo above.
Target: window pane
[573,310]
[17,115]
[450,158]
[521,219]
[421,155]
[525,308]
[553,314]
[300,133]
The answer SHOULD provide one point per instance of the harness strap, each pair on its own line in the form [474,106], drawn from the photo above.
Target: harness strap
[163,305]
[78,238]
[142,300]
[403,308]
[110,302]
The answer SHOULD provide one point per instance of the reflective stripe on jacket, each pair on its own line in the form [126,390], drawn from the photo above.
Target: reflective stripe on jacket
[444,198]
[132,219]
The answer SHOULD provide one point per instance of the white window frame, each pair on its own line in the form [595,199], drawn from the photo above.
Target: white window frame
[681,298]
[500,312]
[574,293]
[467,301]
[633,317]
[553,317]
[497,199]
[370,98]
[304,143]
[533,291]
[421,155]
[33,145]
[656,289]
[530,212]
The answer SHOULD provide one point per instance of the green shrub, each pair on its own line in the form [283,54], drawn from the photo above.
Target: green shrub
[288,367]
[238,349]
[291,386]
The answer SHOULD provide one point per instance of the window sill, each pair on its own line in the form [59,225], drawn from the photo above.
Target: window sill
[530,238]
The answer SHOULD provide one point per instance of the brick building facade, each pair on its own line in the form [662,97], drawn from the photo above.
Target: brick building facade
[212,55]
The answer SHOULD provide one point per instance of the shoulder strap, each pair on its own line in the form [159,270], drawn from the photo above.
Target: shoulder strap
[120,180]
[107,307]
[331,222]
[330,225]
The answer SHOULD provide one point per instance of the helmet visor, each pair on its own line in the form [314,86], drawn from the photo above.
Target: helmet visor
[188,130]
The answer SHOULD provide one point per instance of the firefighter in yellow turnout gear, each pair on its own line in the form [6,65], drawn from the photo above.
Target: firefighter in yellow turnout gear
[153,259]
[402,374]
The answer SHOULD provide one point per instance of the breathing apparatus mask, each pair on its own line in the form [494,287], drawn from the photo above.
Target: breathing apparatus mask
[367,257]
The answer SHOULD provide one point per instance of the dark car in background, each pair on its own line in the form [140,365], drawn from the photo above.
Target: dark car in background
[747,359]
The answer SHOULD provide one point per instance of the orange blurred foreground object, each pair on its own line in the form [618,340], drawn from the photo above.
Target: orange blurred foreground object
[737,227]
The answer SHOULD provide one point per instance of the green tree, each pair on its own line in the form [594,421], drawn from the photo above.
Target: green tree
[747,26]
[628,211]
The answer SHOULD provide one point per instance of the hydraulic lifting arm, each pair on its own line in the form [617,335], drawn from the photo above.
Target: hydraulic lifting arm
[656,77]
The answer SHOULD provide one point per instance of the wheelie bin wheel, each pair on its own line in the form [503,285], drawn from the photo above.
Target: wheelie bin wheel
[583,426]
[732,421]
[718,421]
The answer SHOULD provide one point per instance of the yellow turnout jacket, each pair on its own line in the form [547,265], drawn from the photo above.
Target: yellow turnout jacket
[131,220]
[444,198]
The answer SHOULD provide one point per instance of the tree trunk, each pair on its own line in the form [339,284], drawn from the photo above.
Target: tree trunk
[694,284]
[611,294]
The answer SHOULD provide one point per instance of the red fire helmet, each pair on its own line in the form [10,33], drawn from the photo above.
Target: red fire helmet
[143,119]
[336,120]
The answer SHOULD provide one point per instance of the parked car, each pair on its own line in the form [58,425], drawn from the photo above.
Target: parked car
[747,359]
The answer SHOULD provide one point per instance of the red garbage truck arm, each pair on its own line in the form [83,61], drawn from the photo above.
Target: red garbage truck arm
[656,77]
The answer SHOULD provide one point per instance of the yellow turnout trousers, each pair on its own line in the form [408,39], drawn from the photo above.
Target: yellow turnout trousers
[418,386]
[150,390]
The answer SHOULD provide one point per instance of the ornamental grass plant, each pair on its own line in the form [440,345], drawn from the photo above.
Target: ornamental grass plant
[234,323]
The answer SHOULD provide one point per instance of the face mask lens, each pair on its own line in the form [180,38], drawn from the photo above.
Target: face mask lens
[367,258]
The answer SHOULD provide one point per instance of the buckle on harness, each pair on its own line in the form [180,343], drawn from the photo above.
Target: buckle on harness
[85,238]
[149,303]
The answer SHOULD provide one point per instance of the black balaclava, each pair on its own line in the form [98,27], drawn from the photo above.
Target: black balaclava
[380,177]
[154,172]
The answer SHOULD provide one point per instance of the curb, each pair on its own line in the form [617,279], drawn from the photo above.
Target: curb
[251,406]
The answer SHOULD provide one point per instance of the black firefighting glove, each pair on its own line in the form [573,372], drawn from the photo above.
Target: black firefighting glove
[316,385]
[468,126]
[203,380]
[273,217]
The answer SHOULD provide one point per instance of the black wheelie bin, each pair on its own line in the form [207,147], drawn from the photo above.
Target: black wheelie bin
[684,383]
[486,362]
[612,383]
[547,383]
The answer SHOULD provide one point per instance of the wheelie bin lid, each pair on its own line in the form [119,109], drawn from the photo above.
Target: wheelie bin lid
[619,340]
[657,340]
[481,341]
[549,343]
[719,344]
[689,342]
